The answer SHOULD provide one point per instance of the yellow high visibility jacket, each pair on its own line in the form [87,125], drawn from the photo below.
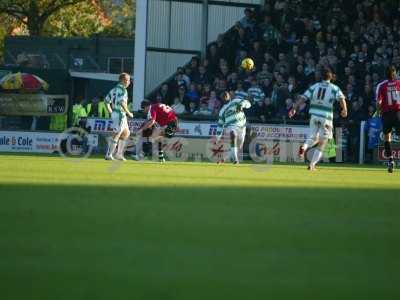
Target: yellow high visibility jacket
[78,112]
[58,122]
[102,111]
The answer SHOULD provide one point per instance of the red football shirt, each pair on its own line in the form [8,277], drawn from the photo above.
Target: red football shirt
[388,95]
[161,113]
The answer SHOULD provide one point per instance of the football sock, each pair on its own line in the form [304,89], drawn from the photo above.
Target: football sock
[316,157]
[111,147]
[388,150]
[121,147]
[234,153]
[160,151]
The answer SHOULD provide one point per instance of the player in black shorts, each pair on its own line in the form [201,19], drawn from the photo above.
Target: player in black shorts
[388,103]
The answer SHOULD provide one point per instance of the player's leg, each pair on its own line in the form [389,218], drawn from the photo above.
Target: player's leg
[144,137]
[318,153]
[312,138]
[241,135]
[122,143]
[388,124]
[234,145]
[112,145]
[157,139]
[325,132]
[113,141]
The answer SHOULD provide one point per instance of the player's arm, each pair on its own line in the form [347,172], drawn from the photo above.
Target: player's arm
[108,101]
[343,106]
[300,101]
[220,127]
[378,100]
[150,123]
[108,106]
[125,108]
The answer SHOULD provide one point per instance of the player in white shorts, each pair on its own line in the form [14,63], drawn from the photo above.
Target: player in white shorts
[322,97]
[117,105]
[232,122]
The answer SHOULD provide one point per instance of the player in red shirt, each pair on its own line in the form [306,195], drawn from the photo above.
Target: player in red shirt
[388,103]
[162,122]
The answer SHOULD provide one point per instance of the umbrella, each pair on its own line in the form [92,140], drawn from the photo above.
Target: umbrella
[23,81]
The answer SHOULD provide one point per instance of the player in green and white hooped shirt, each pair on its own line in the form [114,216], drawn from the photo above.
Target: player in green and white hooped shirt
[322,97]
[117,105]
[232,121]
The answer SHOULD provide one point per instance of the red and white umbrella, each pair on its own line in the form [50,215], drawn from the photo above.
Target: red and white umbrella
[23,81]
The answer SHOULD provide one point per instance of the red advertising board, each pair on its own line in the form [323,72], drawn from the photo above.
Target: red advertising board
[395,151]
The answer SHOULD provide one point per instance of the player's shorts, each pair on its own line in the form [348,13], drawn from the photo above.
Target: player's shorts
[171,129]
[320,128]
[168,130]
[239,132]
[390,120]
[120,123]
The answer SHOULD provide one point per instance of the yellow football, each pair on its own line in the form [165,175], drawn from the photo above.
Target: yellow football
[247,64]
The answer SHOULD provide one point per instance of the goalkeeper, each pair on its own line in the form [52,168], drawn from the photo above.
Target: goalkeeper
[232,123]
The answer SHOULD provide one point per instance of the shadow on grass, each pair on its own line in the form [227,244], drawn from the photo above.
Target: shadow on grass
[87,242]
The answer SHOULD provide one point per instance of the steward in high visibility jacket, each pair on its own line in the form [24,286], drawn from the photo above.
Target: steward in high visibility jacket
[97,109]
[78,112]
[58,122]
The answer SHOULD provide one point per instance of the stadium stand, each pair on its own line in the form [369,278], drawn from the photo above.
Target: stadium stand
[290,43]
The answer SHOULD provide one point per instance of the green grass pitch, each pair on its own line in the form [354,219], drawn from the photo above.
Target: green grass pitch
[181,231]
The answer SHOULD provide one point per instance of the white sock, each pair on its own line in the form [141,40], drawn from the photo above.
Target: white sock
[121,147]
[234,153]
[111,147]
[316,157]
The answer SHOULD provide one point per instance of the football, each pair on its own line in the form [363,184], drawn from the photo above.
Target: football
[247,64]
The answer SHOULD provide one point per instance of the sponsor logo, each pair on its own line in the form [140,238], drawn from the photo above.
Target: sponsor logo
[395,153]
[5,141]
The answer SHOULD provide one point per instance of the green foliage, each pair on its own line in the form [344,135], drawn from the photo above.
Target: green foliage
[81,19]
[66,18]
[122,16]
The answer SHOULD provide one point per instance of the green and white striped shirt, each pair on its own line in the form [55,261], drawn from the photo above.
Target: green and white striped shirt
[322,96]
[232,115]
[115,97]
[256,93]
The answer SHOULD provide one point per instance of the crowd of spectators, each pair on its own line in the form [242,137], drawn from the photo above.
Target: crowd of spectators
[290,42]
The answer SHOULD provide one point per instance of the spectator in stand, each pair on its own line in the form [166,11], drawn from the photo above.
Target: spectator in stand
[202,77]
[257,111]
[247,22]
[213,58]
[191,108]
[270,61]
[233,81]
[269,33]
[240,91]
[182,97]
[203,110]
[257,53]
[178,106]
[166,94]
[256,94]
[193,94]
[214,104]
[267,87]
[284,111]
[264,73]
[269,110]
